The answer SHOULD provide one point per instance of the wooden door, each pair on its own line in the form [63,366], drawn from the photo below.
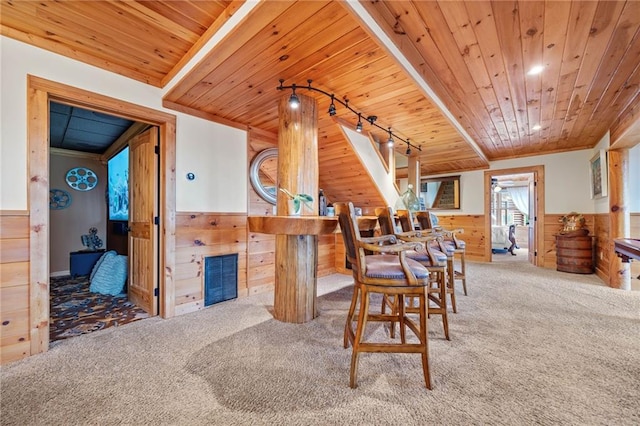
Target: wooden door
[532,221]
[143,236]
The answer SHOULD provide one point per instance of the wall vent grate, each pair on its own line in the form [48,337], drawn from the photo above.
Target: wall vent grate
[220,278]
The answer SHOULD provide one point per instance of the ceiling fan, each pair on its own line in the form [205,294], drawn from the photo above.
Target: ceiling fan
[495,186]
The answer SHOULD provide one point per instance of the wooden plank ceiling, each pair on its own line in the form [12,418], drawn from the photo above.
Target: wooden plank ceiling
[474,55]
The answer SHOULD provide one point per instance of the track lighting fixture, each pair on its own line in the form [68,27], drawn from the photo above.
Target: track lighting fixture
[294,102]
[332,107]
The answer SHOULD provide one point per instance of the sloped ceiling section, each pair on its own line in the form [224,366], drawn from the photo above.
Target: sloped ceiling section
[477,56]
[144,40]
[321,41]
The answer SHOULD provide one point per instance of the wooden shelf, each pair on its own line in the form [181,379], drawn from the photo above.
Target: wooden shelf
[293,225]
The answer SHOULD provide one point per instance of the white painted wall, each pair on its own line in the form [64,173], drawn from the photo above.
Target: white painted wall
[368,154]
[566,179]
[197,139]
[210,151]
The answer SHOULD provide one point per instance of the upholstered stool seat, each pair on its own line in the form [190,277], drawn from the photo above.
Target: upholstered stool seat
[439,258]
[386,266]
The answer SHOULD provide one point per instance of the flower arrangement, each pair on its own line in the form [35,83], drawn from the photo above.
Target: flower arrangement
[572,222]
[298,200]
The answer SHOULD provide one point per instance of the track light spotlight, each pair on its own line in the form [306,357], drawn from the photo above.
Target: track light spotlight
[294,101]
[332,107]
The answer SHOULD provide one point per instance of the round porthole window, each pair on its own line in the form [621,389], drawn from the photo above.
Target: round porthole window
[263,174]
[81,179]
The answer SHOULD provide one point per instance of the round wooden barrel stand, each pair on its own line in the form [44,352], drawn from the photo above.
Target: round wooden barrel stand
[575,254]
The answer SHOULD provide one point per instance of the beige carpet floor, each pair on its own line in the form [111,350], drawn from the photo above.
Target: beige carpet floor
[529,346]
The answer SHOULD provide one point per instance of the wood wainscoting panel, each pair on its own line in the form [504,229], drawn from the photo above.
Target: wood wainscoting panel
[14,286]
[340,254]
[635,233]
[262,259]
[602,253]
[199,235]
[473,235]
[326,255]
[261,248]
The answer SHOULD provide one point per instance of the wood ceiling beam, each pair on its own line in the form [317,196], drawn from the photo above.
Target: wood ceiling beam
[371,15]
[625,132]
[203,40]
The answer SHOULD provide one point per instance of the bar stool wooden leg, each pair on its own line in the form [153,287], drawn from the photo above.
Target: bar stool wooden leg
[442,285]
[451,283]
[362,322]
[349,335]
[423,339]
[463,271]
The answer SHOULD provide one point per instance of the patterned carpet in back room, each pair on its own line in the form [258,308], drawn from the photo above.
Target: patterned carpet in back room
[75,310]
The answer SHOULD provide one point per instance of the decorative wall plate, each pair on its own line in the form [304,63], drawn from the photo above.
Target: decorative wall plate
[59,199]
[81,179]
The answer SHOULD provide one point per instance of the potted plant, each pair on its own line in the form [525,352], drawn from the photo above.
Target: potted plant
[297,200]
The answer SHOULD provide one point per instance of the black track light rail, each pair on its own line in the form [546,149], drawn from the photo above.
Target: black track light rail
[332,111]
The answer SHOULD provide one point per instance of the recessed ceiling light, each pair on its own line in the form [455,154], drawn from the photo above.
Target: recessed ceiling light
[537,127]
[536,70]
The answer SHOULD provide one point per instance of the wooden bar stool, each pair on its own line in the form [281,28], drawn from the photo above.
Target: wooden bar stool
[451,241]
[433,260]
[389,273]
[407,222]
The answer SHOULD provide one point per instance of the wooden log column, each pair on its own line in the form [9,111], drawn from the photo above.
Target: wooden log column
[619,218]
[414,171]
[296,255]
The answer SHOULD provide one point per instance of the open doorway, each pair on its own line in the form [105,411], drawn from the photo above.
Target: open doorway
[41,92]
[510,217]
[89,219]
[506,223]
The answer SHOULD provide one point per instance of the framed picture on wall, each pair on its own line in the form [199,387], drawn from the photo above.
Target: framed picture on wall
[598,174]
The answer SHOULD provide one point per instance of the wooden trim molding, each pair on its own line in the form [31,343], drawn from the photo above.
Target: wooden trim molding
[14,212]
[538,177]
